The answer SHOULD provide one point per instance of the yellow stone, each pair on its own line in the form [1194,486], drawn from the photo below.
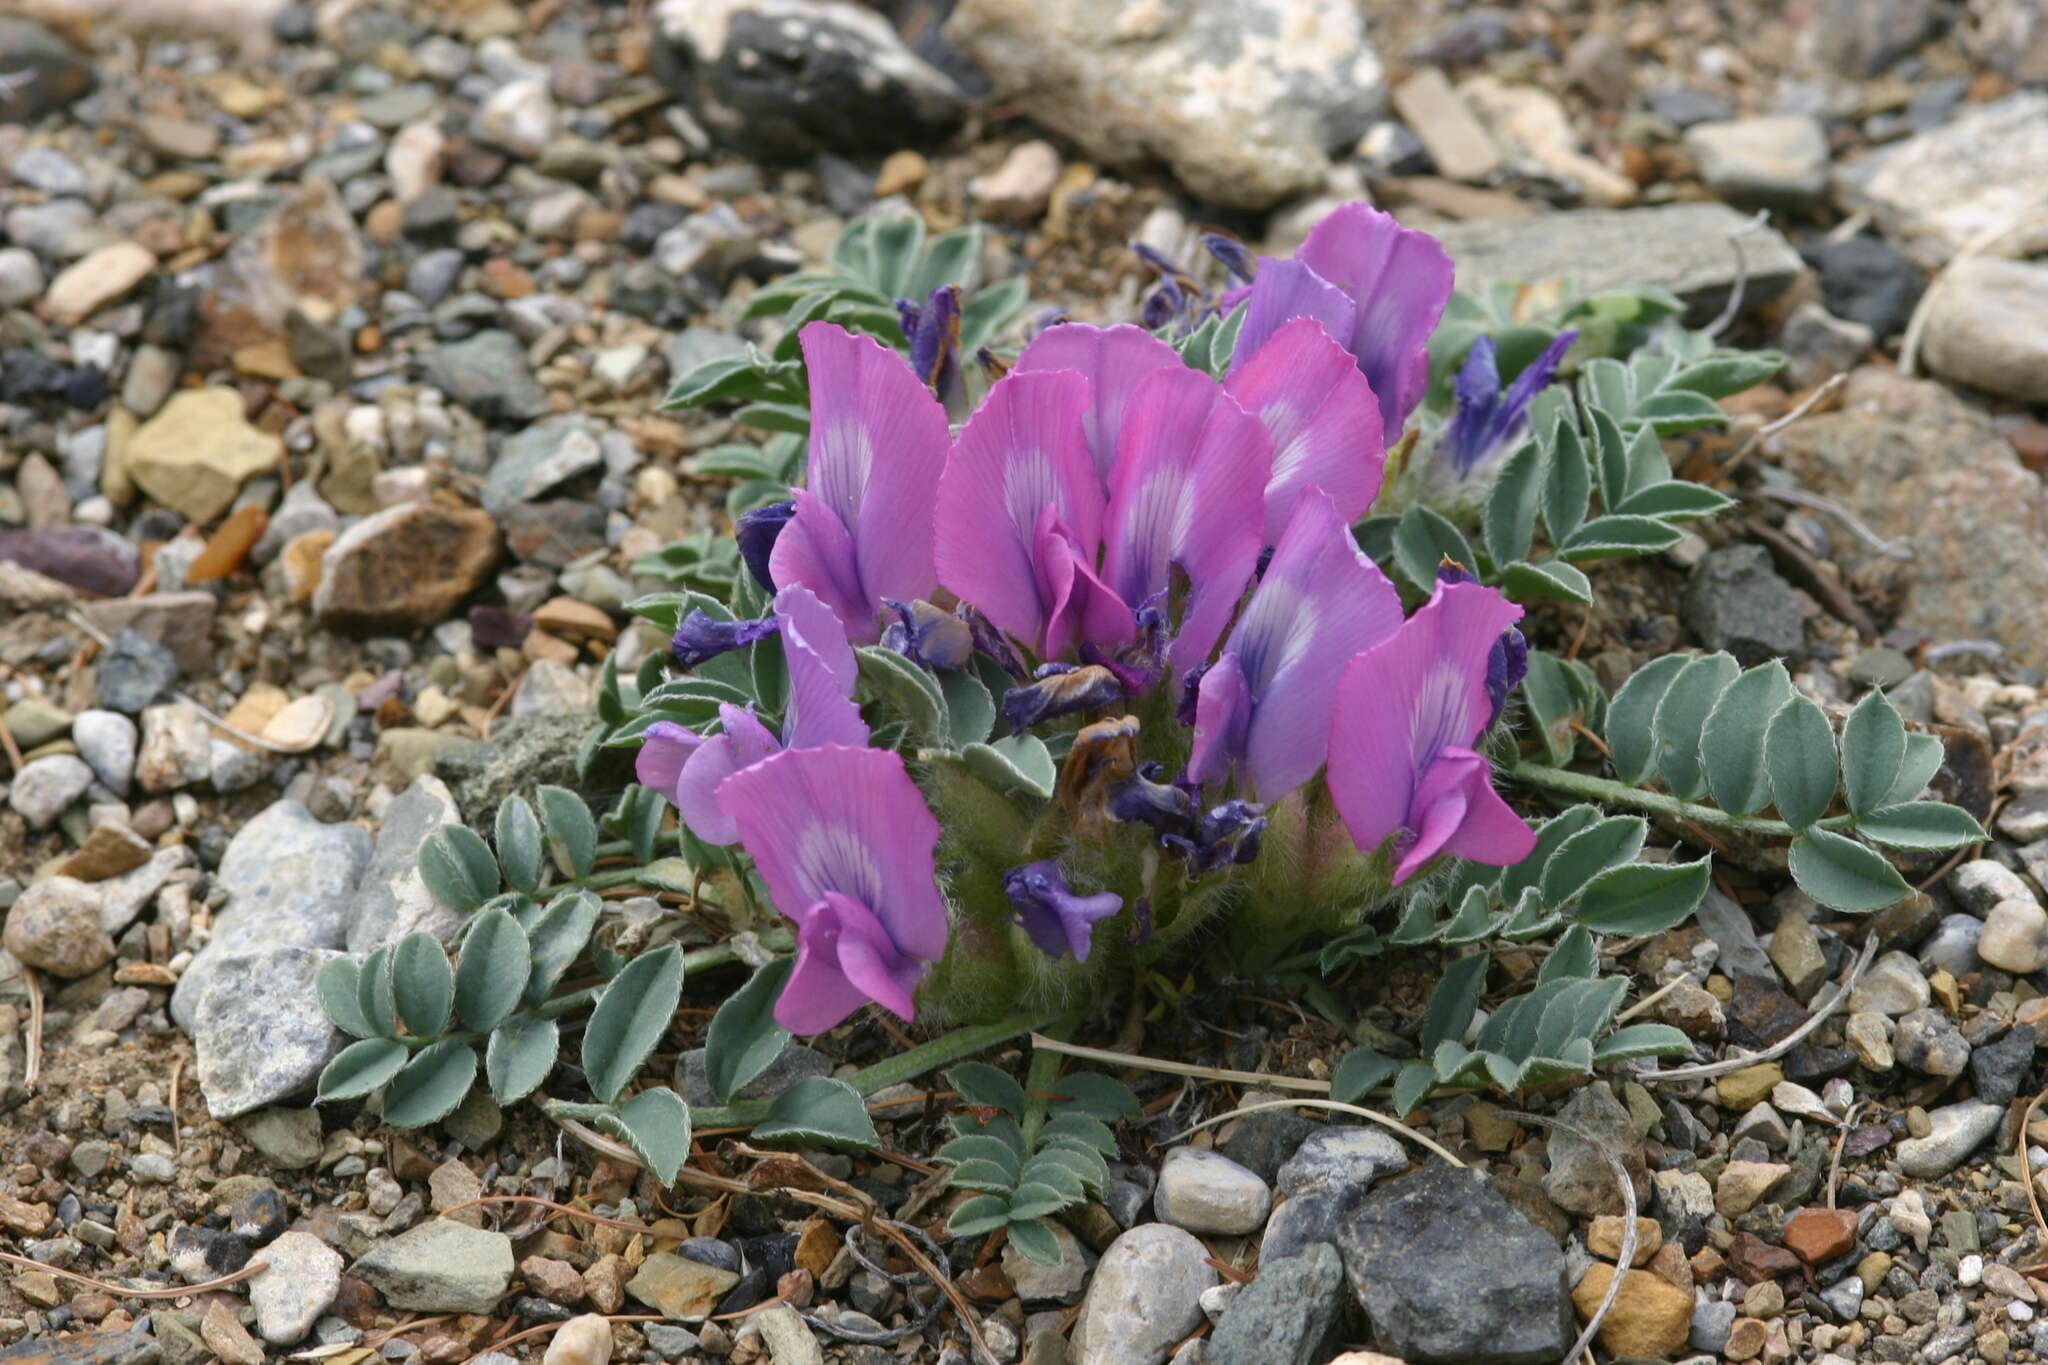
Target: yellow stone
[1649,1317]
[1745,1089]
[195,454]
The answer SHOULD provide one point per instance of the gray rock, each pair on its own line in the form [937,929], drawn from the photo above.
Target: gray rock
[1579,1180]
[134,672]
[1449,1273]
[489,375]
[259,1033]
[1058,1283]
[51,72]
[711,244]
[1350,1158]
[55,927]
[289,881]
[1299,1222]
[124,897]
[1987,326]
[1818,346]
[1868,281]
[1937,191]
[391,900]
[791,1065]
[1286,1315]
[670,1341]
[1145,1297]
[1736,601]
[1713,1320]
[288,1138]
[1796,952]
[1981,884]
[519,756]
[1245,112]
[1680,247]
[1930,1043]
[1774,161]
[1998,1068]
[1891,985]
[1742,955]
[302,1282]
[21,275]
[1958,1130]
[1263,1142]
[1844,1298]
[1952,947]
[540,458]
[46,786]
[199,1254]
[787,79]
[1206,1192]
[107,741]
[440,1267]
[2014,937]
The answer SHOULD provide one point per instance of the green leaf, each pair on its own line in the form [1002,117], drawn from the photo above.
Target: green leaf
[1013,765]
[1035,1241]
[1800,761]
[1097,1096]
[458,868]
[1567,484]
[744,1040]
[572,834]
[1924,756]
[988,311]
[1452,1003]
[1550,836]
[374,996]
[423,984]
[820,1111]
[1423,540]
[1510,523]
[977,1173]
[1682,717]
[1733,745]
[656,1124]
[558,938]
[1552,706]
[970,709]
[1576,957]
[520,1054]
[987,1087]
[1642,898]
[1671,412]
[519,851]
[492,974]
[1728,372]
[428,1087]
[1033,1199]
[1619,537]
[1551,579]
[360,1069]
[1631,717]
[1359,1072]
[1610,843]
[1675,500]
[338,986]
[1641,1040]
[983,1147]
[1921,825]
[1082,1128]
[1873,751]
[635,1010]
[1412,1086]
[983,1213]
[1647,466]
[906,689]
[1843,874]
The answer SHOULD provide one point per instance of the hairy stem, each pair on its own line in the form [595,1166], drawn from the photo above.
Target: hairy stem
[1613,793]
[1039,1081]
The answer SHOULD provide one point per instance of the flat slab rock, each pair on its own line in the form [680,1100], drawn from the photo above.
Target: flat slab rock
[1982,173]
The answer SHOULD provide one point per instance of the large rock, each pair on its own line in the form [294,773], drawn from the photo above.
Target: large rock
[195,454]
[302,1282]
[1244,99]
[440,1267]
[1680,247]
[1145,1297]
[1286,1315]
[1920,468]
[290,882]
[786,79]
[1982,172]
[1449,1273]
[259,1032]
[407,566]
[1987,326]
[392,899]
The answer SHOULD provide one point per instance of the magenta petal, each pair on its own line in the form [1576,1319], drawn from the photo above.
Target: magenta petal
[1282,292]
[1223,711]
[1400,279]
[878,442]
[1321,602]
[822,673]
[1079,609]
[818,995]
[1189,461]
[745,741]
[664,750]
[845,820]
[873,963]
[1323,418]
[1112,360]
[1022,451]
[815,551]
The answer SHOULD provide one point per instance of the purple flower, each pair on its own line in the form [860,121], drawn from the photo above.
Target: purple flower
[690,767]
[1489,420]
[844,841]
[1507,663]
[1409,709]
[1264,705]
[1113,360]
[1322,416]
[701,636]
[1144,799]
[927,636]
[862,528]
[1056,917]
[1060,690]
[1227,833]
[1020,517]
[1396,279]
[757,532]
[1232,254]
[933,331]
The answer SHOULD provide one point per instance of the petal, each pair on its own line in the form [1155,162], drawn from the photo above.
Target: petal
[1400,279]
[1113,360]
[1323,418]
[1473,428]
[1079,608]
[1189,462]
[1022,451]
[1223,708]
[878,442]
[1052,914]
[745,741]
[665,748]
[846,820]
[815,551]
[1457,811]
[818,995]
[822,673]
[1321,601]
[1285,290]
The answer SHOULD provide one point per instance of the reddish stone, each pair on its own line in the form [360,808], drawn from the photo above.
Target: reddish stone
[1817,1235]
[1755,1260]
[406,567]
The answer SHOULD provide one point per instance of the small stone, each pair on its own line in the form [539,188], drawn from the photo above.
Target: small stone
[789,1341]
[1060,1283]
[440,1267]
[1955,1131]
[1998,1068]
[55,927]
[587,1340]
[288,1138]
[488,374]
[135,673]
[177,748]
[1457,141]
[1144,1298]
[1285,1315]
[99,279]
[2015,936]
[678,1287]
[1739,1090]
[1929,1042]
[107,741]
[1711,1324]
[1737,601]
[34,722]
[1745,1340]
[1773,161]
[259,1032]
[1018,190]
[225,1336]
[1603,1239]
[1742,1183]
[1817,1235]
[1818,346]
[552,1279]
[46,787]
[301,725]
[21,277]
[196,453]
[1650,1318]
[1981,884]
[405,567]
[1341,1158]
[1207,1192]
[1893,985]
[301,1283]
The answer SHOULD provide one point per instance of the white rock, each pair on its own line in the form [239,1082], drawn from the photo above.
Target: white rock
[2015,937]
[518,118]
[1018,190]
[1959,1129]
[1776,161]
[1987,327]
[21,277]
[1983,171]
[1981,883]
[414,159]
[177,748]
[1893,985]
[1207,1192]
[46,786]
[301,1283]
[1970,1271]
[584,1340]
[1145,1297]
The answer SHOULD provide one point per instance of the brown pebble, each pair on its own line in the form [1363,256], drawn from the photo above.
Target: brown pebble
[1816,1235]
[228,548]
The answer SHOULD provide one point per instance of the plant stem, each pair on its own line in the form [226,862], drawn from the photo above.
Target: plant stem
[905,1066]
[1039,1081]
[1614,793]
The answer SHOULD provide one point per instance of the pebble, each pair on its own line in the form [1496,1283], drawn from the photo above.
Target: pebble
[47,786]
[440,1267]
[107,741]
[1773,161]
[1018,190]
[1144,1298]
[1206,1192]
[176,749]
[405,567]
[1059,1283]
[198,451]
[1341,1158]
[1285,1315]
[135,672]
[1987,327]
[1956,1131]
[1650,1318]
[101,278]
[301,1283]
[587,1340]
[55,927]
[1929,1042]
[21,277]
[679,1287]
[1893,985]
[1980,884]
[2015,936]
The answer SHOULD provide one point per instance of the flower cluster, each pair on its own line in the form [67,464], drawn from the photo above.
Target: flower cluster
[1158,567]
